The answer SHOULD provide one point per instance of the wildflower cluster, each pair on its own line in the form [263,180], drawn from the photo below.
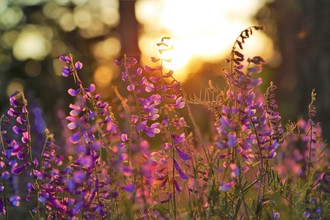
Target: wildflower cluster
[144,157]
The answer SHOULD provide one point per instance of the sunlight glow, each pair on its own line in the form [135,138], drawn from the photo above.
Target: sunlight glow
[82,17]
[200,30]
[11,17]
[14,84]
[33,42]
[107,48]
[103,76]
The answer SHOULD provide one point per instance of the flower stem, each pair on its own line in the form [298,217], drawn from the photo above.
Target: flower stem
[3,180]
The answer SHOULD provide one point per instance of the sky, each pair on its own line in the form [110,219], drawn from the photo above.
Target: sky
[200,31]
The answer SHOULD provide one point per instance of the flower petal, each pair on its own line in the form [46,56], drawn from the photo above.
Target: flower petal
[183,155]
[181,173]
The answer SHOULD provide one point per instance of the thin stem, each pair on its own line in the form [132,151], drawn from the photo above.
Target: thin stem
[29,146]
[48,136]
[138,104]
[1,138]
[97,194]
[3,180]
[28,127]
[192,118]
[127,109]
[173,144]
[261,165]
[310,148]
[173,176]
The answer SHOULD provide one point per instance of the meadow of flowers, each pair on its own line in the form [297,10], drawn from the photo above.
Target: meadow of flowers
[144,156]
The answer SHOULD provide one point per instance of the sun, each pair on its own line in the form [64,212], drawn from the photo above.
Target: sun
[199,30]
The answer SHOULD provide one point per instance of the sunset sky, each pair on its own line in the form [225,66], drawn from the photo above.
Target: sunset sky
[200,30]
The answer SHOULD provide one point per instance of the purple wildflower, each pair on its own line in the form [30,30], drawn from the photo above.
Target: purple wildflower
[129,188]
[15,200]
[152,130]
[179,103]
[177,167]
[226,186]
[2,208]
[66,72]
[78,65]
[183,155]
[66,59]
[74,92]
